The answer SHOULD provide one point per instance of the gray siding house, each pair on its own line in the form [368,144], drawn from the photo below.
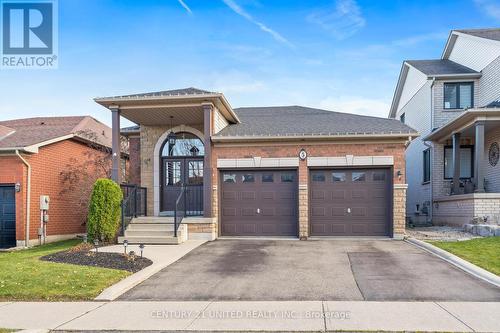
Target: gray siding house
[452,169]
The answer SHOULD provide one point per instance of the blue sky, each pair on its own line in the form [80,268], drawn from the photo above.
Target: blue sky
[342,55]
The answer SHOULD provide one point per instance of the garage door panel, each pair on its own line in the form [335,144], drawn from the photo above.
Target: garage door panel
[228,195]
[357,202]
[318,211]
[248,195]
[318,194]
[266,206]
[229,212]
[338,194]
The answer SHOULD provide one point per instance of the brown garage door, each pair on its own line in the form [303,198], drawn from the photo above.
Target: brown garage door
[350,202]
[259,203]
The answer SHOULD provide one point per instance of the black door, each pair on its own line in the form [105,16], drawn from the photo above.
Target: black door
[7,216]
[259,203]
[178,172]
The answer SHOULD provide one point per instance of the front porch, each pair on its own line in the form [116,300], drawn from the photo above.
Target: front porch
[465,170]
[175,151]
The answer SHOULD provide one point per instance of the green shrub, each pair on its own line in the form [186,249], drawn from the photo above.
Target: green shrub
[104,210]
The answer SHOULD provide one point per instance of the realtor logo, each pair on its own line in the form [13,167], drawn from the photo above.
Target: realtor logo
[29,34]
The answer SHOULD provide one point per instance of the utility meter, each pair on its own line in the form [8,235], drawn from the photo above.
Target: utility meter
[44,202]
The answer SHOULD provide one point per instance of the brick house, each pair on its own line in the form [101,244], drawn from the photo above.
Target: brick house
[211,170]
[35,154]
[453,102]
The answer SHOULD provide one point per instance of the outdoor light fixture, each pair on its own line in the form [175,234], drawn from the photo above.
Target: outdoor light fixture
[125,244]
[171,136]
[141,246]
[17,187]
[96,244]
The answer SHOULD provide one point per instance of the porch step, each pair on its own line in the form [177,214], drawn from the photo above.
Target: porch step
[151,240]
[152,219]
[148,232]
[165,227]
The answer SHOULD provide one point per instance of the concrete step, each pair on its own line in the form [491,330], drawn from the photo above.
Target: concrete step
[152,219]
[151,233]
[152,226]
[150,240]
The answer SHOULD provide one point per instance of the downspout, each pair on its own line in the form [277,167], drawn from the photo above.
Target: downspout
[431,157]
[28,200]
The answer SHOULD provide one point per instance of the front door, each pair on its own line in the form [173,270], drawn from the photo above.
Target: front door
[179,172]
[7,216]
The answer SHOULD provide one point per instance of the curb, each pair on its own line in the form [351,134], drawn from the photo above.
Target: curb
[456,261]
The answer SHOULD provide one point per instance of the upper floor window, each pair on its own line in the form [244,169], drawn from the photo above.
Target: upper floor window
[458,95]
[402,118]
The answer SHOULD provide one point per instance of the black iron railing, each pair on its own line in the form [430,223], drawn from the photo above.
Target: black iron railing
[134,204]
[180,209]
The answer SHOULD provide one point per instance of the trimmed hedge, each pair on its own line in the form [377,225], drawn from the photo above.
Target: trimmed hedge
[104,210]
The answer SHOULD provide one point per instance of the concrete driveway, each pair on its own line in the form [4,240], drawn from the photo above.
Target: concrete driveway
[354,270]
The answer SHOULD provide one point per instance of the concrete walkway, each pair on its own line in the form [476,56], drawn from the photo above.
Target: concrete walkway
[254,316]
[161,255]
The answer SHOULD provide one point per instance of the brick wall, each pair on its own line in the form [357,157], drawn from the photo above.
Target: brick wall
[68,212]
[319,149]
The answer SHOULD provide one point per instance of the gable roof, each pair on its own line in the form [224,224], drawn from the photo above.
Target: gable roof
[441,67]
[494,104]
[492,33]
[299,121]
[31,133]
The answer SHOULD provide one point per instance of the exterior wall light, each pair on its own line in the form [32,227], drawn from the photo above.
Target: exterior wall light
[17,187]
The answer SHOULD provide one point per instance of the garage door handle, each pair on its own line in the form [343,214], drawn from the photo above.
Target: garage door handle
[349,210]
[258,210]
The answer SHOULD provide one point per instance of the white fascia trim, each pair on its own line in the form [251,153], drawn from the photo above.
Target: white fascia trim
[35,147]
[350,160]
[401,186]
[311,137]
[399,89]
[257,162]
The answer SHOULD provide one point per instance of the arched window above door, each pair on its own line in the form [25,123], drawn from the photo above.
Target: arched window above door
[186,144]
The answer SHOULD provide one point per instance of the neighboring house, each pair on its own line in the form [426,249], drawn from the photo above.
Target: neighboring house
[452,168]
[261,171]
[55,156]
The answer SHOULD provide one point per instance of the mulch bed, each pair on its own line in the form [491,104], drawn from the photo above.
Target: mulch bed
[100,259]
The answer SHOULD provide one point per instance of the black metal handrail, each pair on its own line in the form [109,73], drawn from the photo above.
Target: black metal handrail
[180,209]
[134,204]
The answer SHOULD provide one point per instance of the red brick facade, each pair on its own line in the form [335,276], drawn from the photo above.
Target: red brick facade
[67,214]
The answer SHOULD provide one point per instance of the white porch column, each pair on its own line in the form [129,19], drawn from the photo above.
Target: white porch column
[456,163]
[479,157]
[207,162]
[115,137]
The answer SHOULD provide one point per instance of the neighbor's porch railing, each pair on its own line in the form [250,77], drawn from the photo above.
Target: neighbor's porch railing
[134,204]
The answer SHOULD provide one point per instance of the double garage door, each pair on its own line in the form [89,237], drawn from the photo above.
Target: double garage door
[341,202]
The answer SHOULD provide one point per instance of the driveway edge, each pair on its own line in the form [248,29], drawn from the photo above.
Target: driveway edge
[456,261]
[161,259]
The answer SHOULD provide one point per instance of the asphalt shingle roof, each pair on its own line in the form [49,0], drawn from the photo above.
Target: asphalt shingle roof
[493,33]
[176,92]
[494,104]
[304,121]
[440,67]
[31,131]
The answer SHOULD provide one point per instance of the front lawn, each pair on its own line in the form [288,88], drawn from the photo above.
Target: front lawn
[24,277]
[483,252]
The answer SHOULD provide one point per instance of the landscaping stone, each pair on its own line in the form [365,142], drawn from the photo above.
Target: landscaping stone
[483,230]
[442,233]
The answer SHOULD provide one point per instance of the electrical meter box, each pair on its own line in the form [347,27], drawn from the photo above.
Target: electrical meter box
[44,202]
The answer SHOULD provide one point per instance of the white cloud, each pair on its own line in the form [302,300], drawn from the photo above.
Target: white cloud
[240,11]
[490,7]
[343,21]
[417,39]
[358,105]
[186,7]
